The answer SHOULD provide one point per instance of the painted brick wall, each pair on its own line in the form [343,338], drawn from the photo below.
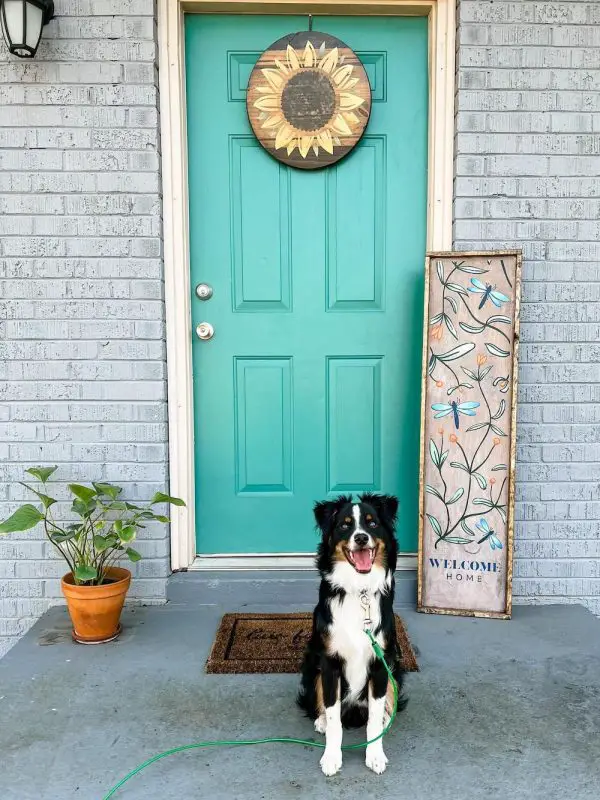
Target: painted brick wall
[527,175]
[82,356]
[82,361]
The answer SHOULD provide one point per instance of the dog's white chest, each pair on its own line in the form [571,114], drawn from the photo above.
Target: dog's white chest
[349,641]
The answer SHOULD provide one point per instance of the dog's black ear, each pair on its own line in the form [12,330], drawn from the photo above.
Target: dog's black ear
[325,513]
[386,506]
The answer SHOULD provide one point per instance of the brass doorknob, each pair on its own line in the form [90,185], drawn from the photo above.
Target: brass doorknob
[205,331]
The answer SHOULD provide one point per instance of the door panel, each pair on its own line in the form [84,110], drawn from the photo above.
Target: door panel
[311,383]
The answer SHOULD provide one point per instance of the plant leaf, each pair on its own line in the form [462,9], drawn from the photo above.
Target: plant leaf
[471,270]
[85,572]
[432,490]
[483,501]
[456,496]
[82,509]
[501,409]
[431,365]
[471,328]
[127,534]
[23,519]
[434,452]
[435,524]
[477,426]
[108,489]
[161,518]
[133,554]
[159,497]
[457,352]
[436,319]
[494,350]
[499,467]
[456,287]
[499,318]
[453,389]
[498,431]
[466,528]
[457,540]
[480,480]
[458,465]
[502,512]
[47,501]
[469,373]
[41,473]
[59,538]
[83,492]
[450,326]
[117,505]
[440,271]
[444,457]
[101,543]
[453,303]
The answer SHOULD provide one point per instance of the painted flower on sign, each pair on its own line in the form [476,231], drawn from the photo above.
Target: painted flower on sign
[313,72]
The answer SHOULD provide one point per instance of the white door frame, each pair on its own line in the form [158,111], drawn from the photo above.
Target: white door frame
[441,14]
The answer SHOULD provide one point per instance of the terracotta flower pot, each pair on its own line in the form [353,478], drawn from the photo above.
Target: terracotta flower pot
[95,610]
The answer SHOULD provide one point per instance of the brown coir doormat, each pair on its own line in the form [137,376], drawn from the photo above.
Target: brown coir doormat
[274,643]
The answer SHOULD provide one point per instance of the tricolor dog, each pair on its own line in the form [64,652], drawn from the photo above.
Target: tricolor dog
[343,684]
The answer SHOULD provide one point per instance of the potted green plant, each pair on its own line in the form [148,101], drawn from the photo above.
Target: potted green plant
[95,586]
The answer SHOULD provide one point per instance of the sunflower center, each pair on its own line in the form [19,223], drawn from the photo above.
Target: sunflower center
[308,100]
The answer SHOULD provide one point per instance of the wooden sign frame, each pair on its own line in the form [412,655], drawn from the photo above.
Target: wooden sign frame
[468,433]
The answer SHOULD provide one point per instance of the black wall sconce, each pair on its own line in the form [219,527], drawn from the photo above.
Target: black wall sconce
[22,22]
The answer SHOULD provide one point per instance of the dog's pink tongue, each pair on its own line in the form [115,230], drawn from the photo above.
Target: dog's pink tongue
[362,559]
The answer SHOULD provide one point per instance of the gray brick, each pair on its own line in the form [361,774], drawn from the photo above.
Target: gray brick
[79,183]
[527,156]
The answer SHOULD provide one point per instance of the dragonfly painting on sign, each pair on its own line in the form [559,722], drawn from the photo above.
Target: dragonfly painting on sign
[468,412]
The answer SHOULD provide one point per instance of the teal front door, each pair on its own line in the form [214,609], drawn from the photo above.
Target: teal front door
[310,386]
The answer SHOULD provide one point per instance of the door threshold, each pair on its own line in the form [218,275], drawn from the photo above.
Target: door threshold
[274,562]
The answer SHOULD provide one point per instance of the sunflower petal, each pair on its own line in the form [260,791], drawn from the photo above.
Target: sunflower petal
[281,66]
[340,125]
[348,83]
[292,58]
[325,140]
[272,121]
[292,146]
[267,103]
[310,56]
[329,63]
[305,144]
[316,149]
[351,117]
[341,74]
[349,101]
[275,78]
[284,136]
[264,90]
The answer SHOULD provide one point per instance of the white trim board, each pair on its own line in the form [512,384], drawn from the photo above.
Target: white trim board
[441,15]
[273,562]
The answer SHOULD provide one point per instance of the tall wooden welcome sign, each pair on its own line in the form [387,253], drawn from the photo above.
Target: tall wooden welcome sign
[468,411]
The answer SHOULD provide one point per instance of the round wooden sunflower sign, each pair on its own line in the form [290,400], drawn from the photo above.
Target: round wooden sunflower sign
[308,99]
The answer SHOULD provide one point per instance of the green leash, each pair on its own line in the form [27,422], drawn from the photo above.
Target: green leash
[275,740]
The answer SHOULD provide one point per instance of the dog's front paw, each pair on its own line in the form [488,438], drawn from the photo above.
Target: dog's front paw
[331,762]
[376,760]
[321,724]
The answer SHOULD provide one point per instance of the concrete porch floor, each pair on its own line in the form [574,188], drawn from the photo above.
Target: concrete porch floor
[499,709]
